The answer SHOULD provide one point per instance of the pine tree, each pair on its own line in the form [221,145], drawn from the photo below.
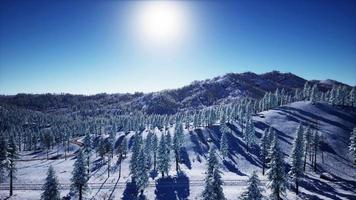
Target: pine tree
[12,156]
[154,150]
[178,140]
[276,172]
[297,158]
[314,93]
[315,147]
[224,148]
[79,175]
[306,145]
[51,186]
[87,150]
[4,161]
[254,189]
[163,158]
[264,150]
[136,147]
[142,171]
[213,184]
[352,147]
[352,97]
[249,134]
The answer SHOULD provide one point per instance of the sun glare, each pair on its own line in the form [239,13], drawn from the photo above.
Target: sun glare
[161,23]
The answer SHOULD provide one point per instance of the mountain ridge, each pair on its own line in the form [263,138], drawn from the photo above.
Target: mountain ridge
[196,95]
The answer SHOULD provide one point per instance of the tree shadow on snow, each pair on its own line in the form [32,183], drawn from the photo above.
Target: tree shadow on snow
[184,158]
[315,186]
[131,192]
[173,188]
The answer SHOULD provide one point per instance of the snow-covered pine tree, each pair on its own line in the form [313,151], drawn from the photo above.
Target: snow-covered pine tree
[314,93]
[12,157]
[224,146]
[264,146]
[177,144]
[213,184]
[51,186]
[316,144]
[306,145]
[4,162]
[352,97]
[254,189]
[142,171]
[276,173]
[148,149]
[136,147]
[79,175]
[249,134]
[154,150]
[297,157]
[163,158]
[87,150]
[168,142]
[352,147]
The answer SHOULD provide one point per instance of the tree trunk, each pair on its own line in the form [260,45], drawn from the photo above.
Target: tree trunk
[263,168]
[305,159]
[315,159]
[11,177]
[296,186]
[162,174]
[177,160]
[88,163]
[108,166]
[80,192]
[154,162]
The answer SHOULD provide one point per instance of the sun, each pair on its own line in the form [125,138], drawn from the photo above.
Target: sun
[161,22]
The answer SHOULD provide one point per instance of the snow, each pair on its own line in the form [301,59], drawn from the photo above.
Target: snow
[334,123]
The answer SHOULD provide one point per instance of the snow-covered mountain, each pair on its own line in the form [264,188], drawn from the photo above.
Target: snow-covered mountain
[197,95]
[334,124]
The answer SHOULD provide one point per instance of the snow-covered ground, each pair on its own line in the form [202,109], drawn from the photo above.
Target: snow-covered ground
[334,123]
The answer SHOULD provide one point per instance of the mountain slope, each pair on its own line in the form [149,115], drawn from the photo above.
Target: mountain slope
[196,95]
[335,123]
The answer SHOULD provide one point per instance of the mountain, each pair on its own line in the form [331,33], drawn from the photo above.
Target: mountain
[197,95]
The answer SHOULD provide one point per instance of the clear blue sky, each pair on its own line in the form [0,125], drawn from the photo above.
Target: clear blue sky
[84,47]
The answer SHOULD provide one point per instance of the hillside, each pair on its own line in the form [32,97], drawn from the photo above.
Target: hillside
[333,123]
[197,95]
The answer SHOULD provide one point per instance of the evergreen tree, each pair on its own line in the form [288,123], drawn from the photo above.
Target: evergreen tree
[213,184]
[276,172]
[297,158]
[142,171]
[224,148]
[79,175]
[87,150]
[178,140]
[51,186]
[314,93]
[352,97]
[254,189]
[12,156]
[154,150]
[264,146]
[163,158]
[136,147]
[353,145]
[249,134]
[4,162]
[315,147]
[306,146]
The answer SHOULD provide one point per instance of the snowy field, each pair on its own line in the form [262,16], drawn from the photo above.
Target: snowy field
[335,124]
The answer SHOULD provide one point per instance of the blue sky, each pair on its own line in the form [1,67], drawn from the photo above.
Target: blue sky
[87,47]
